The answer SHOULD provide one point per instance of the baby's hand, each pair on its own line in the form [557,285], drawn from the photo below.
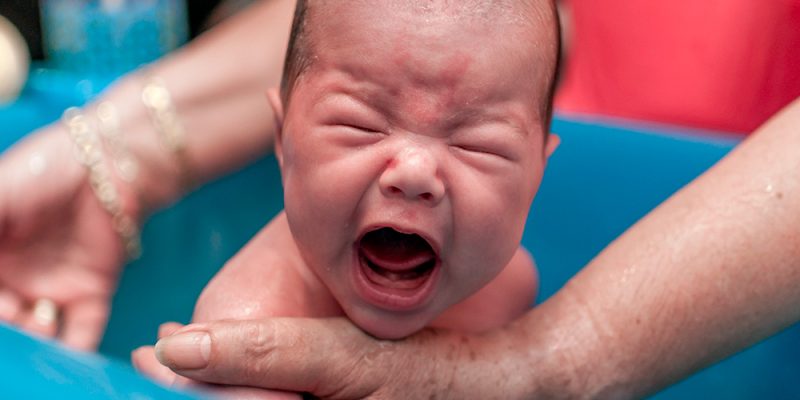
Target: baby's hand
[144,360]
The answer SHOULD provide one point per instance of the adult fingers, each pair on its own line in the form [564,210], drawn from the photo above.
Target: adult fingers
[229,392]
[144,360]
[83,323]
[10,305]
[326,357]
[146,356]
[168,328]
[232,392]
[41,318]
[247,393]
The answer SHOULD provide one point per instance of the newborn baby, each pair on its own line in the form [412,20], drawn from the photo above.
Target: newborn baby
[412,138]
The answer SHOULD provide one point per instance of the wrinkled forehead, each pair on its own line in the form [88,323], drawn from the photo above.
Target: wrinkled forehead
[462,10]
[527,18]
[438,44]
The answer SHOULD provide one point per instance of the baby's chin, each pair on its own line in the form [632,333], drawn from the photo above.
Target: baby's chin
[384,325]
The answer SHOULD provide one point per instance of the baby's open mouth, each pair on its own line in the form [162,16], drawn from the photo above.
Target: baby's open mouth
[396,260]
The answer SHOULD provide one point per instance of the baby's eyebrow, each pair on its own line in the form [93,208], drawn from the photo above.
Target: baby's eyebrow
[375,98]
[345,96]
[471,118]
[357,92]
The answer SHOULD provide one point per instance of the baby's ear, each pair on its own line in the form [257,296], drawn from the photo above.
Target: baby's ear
[552,143]
[275,102]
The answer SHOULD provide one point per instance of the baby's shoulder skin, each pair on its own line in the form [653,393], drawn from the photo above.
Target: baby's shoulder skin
[266,278]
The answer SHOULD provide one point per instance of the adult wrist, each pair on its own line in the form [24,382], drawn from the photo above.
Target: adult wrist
[532,364]
[107,172]
[502,364]
[584,351]
[160,179]
[555,351]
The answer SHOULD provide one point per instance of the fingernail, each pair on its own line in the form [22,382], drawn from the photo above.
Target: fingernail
[45,312]
[188,350]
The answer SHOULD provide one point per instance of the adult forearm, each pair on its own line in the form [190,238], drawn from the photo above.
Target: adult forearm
[217,84]
[714,269]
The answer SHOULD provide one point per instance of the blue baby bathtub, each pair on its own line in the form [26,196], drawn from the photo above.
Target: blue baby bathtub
[604,177]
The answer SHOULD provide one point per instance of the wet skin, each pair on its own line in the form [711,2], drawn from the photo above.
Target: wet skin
[422,124]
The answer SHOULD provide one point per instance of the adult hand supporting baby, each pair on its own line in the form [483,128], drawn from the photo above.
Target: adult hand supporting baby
[331,358]
[708,273]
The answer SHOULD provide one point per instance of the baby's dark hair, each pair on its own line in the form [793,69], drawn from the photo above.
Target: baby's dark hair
[299,57]
[297,53]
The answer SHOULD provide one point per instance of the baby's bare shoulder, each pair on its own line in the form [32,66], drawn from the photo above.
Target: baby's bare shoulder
[266,278]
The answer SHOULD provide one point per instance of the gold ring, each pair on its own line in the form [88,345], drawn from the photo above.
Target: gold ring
[45,311]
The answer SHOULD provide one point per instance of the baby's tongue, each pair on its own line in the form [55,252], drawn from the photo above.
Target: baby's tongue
[396,251]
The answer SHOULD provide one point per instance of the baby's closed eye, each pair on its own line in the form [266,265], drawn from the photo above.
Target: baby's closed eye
[482,151]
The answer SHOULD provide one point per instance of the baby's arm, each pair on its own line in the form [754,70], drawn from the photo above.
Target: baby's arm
[504,299]
[267,278]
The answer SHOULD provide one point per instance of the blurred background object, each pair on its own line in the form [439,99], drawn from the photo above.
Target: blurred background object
[79,46]
[14,61]
[95,41]
[201,14]
[107,38]
[723,65]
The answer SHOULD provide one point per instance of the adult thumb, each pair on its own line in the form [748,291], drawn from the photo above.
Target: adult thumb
[329,358]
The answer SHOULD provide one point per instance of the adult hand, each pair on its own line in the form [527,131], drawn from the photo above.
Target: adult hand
[59,254]
[331,358]
[145,362]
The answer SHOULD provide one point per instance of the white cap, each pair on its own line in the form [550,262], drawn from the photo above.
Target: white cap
[14,61]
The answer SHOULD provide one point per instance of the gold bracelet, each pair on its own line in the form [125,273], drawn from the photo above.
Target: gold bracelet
[89,153]
[125,164]
[158,102]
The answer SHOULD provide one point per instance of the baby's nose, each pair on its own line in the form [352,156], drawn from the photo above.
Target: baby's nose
[413,174]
